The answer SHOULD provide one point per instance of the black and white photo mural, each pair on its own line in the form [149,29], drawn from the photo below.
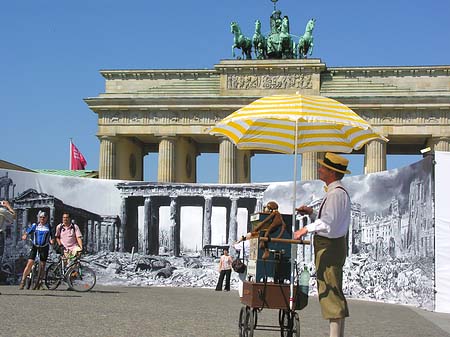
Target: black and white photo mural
[391,237]
[391,241]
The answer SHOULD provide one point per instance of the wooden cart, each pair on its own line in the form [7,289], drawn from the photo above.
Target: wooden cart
[259,295]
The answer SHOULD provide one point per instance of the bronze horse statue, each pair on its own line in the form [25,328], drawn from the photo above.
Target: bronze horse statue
[287,44]
[259,42]
[241,42]
[306,42]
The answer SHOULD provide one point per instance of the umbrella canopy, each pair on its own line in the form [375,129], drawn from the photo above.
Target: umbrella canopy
[304,123]
[296,124]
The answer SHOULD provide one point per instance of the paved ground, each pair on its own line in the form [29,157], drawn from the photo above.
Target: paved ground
[187,312]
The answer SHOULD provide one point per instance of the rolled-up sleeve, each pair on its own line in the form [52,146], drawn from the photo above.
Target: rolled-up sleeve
[318,226]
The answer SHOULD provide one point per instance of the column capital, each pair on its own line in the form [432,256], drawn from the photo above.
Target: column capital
[111,138]
[439,143]
[169,137]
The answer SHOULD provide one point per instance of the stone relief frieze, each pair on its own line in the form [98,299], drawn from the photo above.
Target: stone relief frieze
[290,81]
[388,117]
[162,117]
[192,190]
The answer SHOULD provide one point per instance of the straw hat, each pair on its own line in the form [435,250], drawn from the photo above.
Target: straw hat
[335,162]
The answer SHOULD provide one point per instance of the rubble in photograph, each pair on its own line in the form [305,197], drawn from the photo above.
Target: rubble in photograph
[392,280]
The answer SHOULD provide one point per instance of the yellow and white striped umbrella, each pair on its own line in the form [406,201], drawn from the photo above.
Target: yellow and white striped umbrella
[296,124]
[322,124]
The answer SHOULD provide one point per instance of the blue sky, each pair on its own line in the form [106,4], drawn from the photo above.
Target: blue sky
[52,51]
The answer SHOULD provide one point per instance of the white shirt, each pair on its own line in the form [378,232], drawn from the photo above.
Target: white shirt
[335,215]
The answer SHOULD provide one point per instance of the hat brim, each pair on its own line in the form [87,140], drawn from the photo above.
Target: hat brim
[320,161]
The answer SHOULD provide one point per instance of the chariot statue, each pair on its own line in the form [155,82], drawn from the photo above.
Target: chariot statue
[278,44]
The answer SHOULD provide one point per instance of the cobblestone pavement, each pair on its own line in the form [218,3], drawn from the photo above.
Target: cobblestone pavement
[187,312]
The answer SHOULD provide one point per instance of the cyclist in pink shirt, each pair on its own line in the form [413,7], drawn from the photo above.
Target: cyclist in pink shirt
[68,236]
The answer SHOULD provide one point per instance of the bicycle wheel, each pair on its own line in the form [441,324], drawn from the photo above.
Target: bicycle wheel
[53,276]
[28,279]
[81,278]
[31,279]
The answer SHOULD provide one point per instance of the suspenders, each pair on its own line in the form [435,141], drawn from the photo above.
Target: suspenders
[323,203]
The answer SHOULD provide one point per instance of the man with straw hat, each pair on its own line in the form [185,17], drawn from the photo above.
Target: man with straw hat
[330,226]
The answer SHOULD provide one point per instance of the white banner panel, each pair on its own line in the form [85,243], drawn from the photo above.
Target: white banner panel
[442,232]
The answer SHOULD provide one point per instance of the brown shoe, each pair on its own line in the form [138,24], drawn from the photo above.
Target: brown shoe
[21,285]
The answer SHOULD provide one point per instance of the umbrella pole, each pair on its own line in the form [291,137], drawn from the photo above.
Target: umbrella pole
[294,202]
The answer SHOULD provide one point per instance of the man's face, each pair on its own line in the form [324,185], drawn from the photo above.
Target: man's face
[66,219]
[325,174]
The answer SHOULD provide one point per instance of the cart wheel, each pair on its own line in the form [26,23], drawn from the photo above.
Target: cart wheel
[285,318]
[255,318]
[295,325]
[249,324]
[241,322]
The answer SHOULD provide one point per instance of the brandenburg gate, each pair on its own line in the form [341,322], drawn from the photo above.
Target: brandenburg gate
[171,111]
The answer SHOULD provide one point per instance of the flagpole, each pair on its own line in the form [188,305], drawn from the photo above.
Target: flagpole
[70,153]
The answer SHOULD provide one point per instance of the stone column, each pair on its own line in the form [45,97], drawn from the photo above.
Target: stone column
[123,223]
[107,164]
[227,162]
[243,166]
[232,230]
[114,236]
[259,205]
[147,225]
[375,156]
[16,233]
[153,230]
[98,227]
[85,232]
[310,165]
[207,212]
[117,236]
[24,219]
[250,205]
[439,144]
[51,219]
[88,243]
[166,160]
[173,226]
[94,236]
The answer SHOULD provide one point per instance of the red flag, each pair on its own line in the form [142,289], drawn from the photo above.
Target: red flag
[77,161]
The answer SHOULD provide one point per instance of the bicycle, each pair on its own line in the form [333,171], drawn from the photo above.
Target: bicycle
[78,276]
[33,277]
